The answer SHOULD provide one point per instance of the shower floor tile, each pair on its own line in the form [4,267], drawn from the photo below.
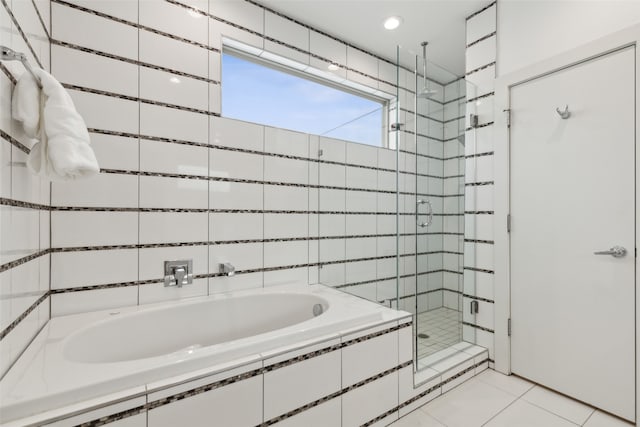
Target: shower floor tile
[444,328]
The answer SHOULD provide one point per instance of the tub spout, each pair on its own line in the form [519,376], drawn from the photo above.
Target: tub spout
[227,269]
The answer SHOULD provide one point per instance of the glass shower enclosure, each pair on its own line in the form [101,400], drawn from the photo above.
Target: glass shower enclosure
[390,220]
[433,126]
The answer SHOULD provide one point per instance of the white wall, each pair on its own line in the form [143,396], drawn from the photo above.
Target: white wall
[531,31]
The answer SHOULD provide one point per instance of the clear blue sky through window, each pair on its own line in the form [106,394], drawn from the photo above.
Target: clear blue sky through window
[257,93]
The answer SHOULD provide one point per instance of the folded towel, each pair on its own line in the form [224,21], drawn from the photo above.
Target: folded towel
[25,105]
[64,150]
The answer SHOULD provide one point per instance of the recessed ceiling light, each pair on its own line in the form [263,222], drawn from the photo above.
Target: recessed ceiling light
[392,22]
[333,67]
[174,80]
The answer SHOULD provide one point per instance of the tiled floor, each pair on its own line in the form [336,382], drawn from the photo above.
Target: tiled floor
[495,400]
[444,328]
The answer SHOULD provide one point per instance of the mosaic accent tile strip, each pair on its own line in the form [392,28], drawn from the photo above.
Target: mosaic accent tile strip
[489,242]
[142,100]
[475,297]
[486,95]
[11,326]
[478,184]
[491,64]
[479,126]
[482,328]
[488,36]
[7,73]
[478,212]
[479,270]
[20,204]
[11,140]
[471,156]
[25,259]
[241,150]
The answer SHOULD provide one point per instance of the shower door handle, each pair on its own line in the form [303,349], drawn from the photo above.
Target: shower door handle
[429,212]
[616,252]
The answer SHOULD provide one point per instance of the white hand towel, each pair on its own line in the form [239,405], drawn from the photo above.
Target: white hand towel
[64,150]
[25,105]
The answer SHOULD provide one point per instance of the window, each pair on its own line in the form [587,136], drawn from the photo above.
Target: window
[262,92]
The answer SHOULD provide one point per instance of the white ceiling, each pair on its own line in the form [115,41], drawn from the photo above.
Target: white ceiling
[359,22]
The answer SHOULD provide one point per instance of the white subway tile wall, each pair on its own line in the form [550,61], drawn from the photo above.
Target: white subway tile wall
[180,181]
[24,198]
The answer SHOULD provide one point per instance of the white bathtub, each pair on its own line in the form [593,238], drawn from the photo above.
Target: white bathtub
[80,357]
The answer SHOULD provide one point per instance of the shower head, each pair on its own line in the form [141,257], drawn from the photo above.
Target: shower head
[427,93]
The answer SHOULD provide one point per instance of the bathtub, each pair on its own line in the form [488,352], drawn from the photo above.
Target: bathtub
[84,356]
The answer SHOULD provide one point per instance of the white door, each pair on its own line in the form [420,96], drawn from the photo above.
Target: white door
[572,194]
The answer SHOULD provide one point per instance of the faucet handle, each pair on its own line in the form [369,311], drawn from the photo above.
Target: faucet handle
[227,269]
[178,273]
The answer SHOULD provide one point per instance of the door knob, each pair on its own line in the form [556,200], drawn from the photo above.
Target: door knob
[616,252]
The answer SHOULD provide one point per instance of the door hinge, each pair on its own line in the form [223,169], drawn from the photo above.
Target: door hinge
[508,223]
[508,111]
[474,307]
[509,327]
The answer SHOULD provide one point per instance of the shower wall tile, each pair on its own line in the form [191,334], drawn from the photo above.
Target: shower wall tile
[481,24]
[483,80]
[277,226]
[173,227]
[123,9]
[243,226]
[176,20]
[171,123]
[220,31]
[89,268]
[285,198]
[164,192]
[94,300]
[106,112]
[289,276]
[328,48]
[174,89]
[74,229]
[94,32]
[88,70]
[236,195]
[363,62]
[247,256]
[173,54]
[247,15]
[97,191]
[170,158]
[481,54]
